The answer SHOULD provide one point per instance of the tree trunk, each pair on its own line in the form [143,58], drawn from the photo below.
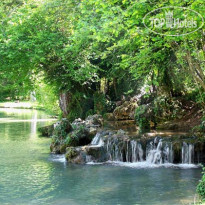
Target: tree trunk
[65,99]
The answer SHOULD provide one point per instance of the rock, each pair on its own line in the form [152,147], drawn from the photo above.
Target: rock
[78,123]
[63,125]
[118,103]
[63,148]
[79,133]
[90,121]
[92,131]
[96,154]
[121,132]
[85,130]
[82,155]
[126,111]
[75,155]
[79,137]
[55,148]
[46,131]
[129,125]
[94,120]
[109,117]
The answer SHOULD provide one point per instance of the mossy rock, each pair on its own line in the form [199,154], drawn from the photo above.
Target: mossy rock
[71,153]
[109,116]
[63,148]
[62,128]
[55,148]
[46,131]
[75,155]
[97,153]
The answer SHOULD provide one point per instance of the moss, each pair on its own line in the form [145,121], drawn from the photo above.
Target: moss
[63,148]
[201,187]
[71,153]
[46,131]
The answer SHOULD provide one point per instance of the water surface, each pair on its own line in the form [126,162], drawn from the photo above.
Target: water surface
[29,174]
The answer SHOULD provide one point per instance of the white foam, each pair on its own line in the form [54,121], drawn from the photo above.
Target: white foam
[94,163]
[140,165]
[58,158]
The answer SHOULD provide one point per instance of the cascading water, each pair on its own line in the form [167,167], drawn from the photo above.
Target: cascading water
[156,151]
[97,141]
[159,152]
[187,153]
[115,150]
[137,151]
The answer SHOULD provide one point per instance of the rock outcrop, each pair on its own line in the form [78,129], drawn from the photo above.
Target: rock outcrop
[46,131]
[79,133]
[158,149]
[126,111]
[82,155]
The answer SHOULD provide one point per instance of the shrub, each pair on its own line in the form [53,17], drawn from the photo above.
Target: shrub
[99,103]
[201,187]
[142,117]
[78,137]
[60,132]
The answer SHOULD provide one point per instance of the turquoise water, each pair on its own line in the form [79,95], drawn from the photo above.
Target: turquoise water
[29,174]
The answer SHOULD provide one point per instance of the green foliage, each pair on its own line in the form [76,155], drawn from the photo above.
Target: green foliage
[61,131]
[68,140]
[201,187]
[75,46]
[99,103]
[166,108]
[142,118]
[76,106]
[89,112]
[159,109]
[47,97]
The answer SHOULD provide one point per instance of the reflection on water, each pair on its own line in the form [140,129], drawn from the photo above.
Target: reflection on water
[29,174]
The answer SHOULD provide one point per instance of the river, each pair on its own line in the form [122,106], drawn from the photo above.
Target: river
[29,174]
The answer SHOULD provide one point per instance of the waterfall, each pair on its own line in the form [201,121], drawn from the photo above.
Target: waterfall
[97,141]
[155,154]
[115,150]
[137,151]
[187,153]
[156,151]
[159,152]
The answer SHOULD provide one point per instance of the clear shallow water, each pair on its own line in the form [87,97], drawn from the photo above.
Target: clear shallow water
[29,174]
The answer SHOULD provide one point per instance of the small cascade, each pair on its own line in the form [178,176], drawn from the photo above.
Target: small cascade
[187,153]
[115,150]
[159,152]
[97,141]
[137,151]
[156,151]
